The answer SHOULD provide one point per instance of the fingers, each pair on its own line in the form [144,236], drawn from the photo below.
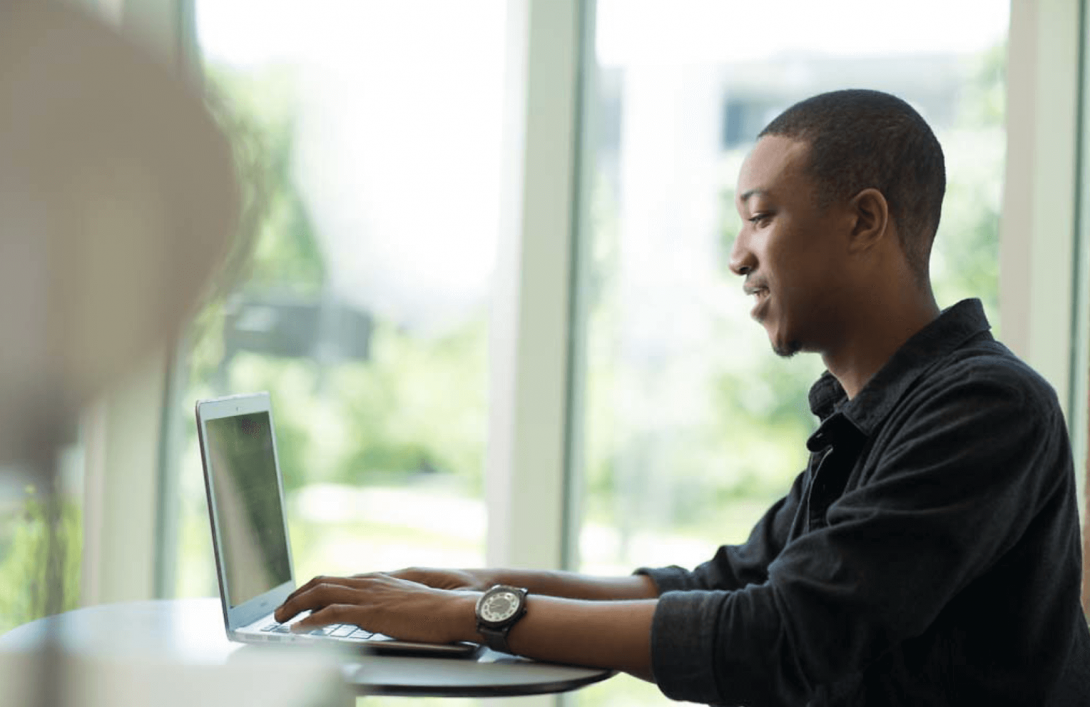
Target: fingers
[332,614]
[357,581]
[319,579]
[437,578]
[316,595]
[421,575]
[382,603]
[323,591]
[299,590]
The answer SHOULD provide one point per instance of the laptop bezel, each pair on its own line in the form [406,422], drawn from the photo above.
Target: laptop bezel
[244,614]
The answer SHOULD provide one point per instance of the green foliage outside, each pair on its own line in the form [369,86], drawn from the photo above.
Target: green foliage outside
[965,260]
[29,568]
[258,111]
[416,406]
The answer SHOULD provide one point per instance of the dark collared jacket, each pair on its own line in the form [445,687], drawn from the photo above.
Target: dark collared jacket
[928,555]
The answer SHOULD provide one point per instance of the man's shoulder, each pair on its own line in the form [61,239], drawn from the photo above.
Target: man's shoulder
[989,359]
[986,369]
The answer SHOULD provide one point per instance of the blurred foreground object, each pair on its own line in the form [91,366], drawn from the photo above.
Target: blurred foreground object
[162,653]
[118,201]
[258,678]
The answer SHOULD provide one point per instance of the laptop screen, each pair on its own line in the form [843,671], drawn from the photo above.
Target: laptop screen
[247,496]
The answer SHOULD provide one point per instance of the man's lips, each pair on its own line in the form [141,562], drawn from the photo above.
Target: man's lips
[761,293]
[755,287]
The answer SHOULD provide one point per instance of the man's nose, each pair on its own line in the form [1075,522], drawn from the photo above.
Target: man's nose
[742,260]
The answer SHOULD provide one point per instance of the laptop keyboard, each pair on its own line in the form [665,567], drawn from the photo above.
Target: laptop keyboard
[344,631]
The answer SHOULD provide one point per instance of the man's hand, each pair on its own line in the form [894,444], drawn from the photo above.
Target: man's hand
[472,580]
[383,603]
[607,623]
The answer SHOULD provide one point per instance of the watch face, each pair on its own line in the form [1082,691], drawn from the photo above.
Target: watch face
[500,606]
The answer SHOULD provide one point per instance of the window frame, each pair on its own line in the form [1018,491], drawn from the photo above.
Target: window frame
[1043,194]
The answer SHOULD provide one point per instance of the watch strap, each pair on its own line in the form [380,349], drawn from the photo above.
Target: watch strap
[496,638]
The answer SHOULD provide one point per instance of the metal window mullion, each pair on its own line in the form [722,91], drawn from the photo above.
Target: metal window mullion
[531,314]
[1043,288]
[581,247]
[1079,419]
[1037,232]
[1080,322]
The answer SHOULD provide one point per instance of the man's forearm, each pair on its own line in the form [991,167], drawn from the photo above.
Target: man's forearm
[605,634]
[572,585]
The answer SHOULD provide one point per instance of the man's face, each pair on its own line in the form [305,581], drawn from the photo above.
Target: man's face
[791,252]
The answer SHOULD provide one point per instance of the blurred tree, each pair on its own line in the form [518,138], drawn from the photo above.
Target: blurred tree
[417,405]
[23,574]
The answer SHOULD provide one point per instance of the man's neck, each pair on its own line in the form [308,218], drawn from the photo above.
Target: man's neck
[876,333]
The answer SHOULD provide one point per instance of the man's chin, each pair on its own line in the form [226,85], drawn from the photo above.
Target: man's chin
[786,349]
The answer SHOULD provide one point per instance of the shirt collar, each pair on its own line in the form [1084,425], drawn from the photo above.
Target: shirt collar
[952,328]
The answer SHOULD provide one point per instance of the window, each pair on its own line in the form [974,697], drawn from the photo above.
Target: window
[693,427]
[371,132]
[38,528]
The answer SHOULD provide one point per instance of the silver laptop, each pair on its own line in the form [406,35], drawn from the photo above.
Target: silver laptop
[250,532]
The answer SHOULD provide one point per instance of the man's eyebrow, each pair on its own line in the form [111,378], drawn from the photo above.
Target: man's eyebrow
[747,195]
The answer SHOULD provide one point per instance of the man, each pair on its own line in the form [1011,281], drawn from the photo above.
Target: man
[928,555]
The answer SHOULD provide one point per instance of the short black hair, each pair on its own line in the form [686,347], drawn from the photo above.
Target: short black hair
[862,139]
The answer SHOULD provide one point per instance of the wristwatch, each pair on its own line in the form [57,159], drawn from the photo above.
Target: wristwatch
[498,610]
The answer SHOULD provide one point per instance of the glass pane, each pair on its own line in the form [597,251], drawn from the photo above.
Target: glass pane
[373,129]
[41,538]
[693,426]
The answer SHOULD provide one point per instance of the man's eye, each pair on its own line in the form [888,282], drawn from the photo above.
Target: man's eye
[757,219]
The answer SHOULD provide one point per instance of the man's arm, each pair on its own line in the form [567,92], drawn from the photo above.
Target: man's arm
[605,634]
[601,633]
[554,583]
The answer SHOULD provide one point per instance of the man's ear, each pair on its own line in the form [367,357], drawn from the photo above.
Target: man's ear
[870,215]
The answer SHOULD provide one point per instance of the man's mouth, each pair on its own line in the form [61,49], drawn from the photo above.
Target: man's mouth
[759,290]
[761,294]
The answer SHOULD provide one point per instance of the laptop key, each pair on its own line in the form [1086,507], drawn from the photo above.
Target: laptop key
[359,634]
[343,630]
